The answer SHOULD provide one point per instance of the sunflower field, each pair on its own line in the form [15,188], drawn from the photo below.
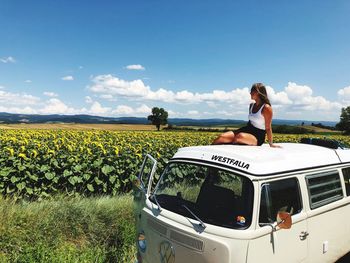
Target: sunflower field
[41,163]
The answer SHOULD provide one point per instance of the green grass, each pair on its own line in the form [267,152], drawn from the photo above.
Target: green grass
[67,230]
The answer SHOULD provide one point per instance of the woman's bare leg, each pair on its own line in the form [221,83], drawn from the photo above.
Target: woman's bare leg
[226,137]
[245,138]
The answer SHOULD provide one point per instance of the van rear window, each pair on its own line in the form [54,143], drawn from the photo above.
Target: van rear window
[324,188]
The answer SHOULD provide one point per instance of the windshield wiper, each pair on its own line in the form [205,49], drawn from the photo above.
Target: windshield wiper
[201,223]
[153,196]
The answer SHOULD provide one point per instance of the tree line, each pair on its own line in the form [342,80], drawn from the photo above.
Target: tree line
[159,117]
[344,123]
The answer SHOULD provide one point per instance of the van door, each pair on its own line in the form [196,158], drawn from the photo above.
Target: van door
[272,244]
[143,183]
[328,219]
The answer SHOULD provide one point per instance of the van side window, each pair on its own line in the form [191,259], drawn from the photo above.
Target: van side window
[276,196]
[324,188]
[346,174]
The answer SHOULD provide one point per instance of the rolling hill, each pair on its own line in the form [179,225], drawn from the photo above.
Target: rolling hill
[11,118]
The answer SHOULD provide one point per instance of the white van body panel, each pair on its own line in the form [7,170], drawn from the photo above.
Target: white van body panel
[274,247]
[327,227]
[344,155]
[259,160]
[187,242]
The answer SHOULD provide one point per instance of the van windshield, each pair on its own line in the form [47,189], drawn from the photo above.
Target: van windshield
[216,196]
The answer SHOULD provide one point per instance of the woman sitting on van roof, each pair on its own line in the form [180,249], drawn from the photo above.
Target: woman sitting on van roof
[259,124]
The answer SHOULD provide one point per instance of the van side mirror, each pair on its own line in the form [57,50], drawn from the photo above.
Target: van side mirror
[284,220]
[138,184]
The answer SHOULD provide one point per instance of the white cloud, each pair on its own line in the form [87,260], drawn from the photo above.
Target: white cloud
[50,94]
[301,97]
[88,100]
[186,96]
[173,114]
[137,90]
[123,110]
[344,95]
[294,114]
[29,104]
[193,112]
[144,109]
[9,98]
[21,110]
[319,103]
[212,104]
[297,92]
[108,97]
[28,81]
[279,98]
[226,114]
[108,84]
[67,78]
[236,96]
[98,109]
[160,95]
[18,102]
[135,67]
[294,95]
[294,100]
[8,60]
[344,92]
[55,106]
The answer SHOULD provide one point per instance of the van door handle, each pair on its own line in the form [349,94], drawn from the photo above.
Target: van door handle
[303,235]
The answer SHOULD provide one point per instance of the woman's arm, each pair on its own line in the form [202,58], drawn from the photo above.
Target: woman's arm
[267,113]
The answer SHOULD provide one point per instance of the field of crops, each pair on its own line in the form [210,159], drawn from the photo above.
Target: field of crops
[41,163]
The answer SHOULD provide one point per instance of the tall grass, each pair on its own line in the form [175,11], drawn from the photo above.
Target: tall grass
[67,230]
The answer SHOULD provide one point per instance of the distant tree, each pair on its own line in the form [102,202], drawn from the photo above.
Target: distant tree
[344,124]
[158,117]
[303,123]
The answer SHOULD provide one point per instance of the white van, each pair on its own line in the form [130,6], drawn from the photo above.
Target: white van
[234,203]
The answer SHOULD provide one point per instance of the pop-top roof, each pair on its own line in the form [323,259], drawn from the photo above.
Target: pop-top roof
[264,160]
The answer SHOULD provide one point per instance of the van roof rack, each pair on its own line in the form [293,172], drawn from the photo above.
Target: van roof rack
[332,144]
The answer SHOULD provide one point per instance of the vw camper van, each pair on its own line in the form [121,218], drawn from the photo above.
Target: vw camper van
[235,203]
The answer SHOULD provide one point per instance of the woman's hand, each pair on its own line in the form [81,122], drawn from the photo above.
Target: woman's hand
[275,145]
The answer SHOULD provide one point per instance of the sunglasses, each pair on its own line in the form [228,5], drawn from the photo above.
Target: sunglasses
[253,90]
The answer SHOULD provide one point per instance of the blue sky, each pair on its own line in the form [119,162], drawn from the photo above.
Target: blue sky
[197,59]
